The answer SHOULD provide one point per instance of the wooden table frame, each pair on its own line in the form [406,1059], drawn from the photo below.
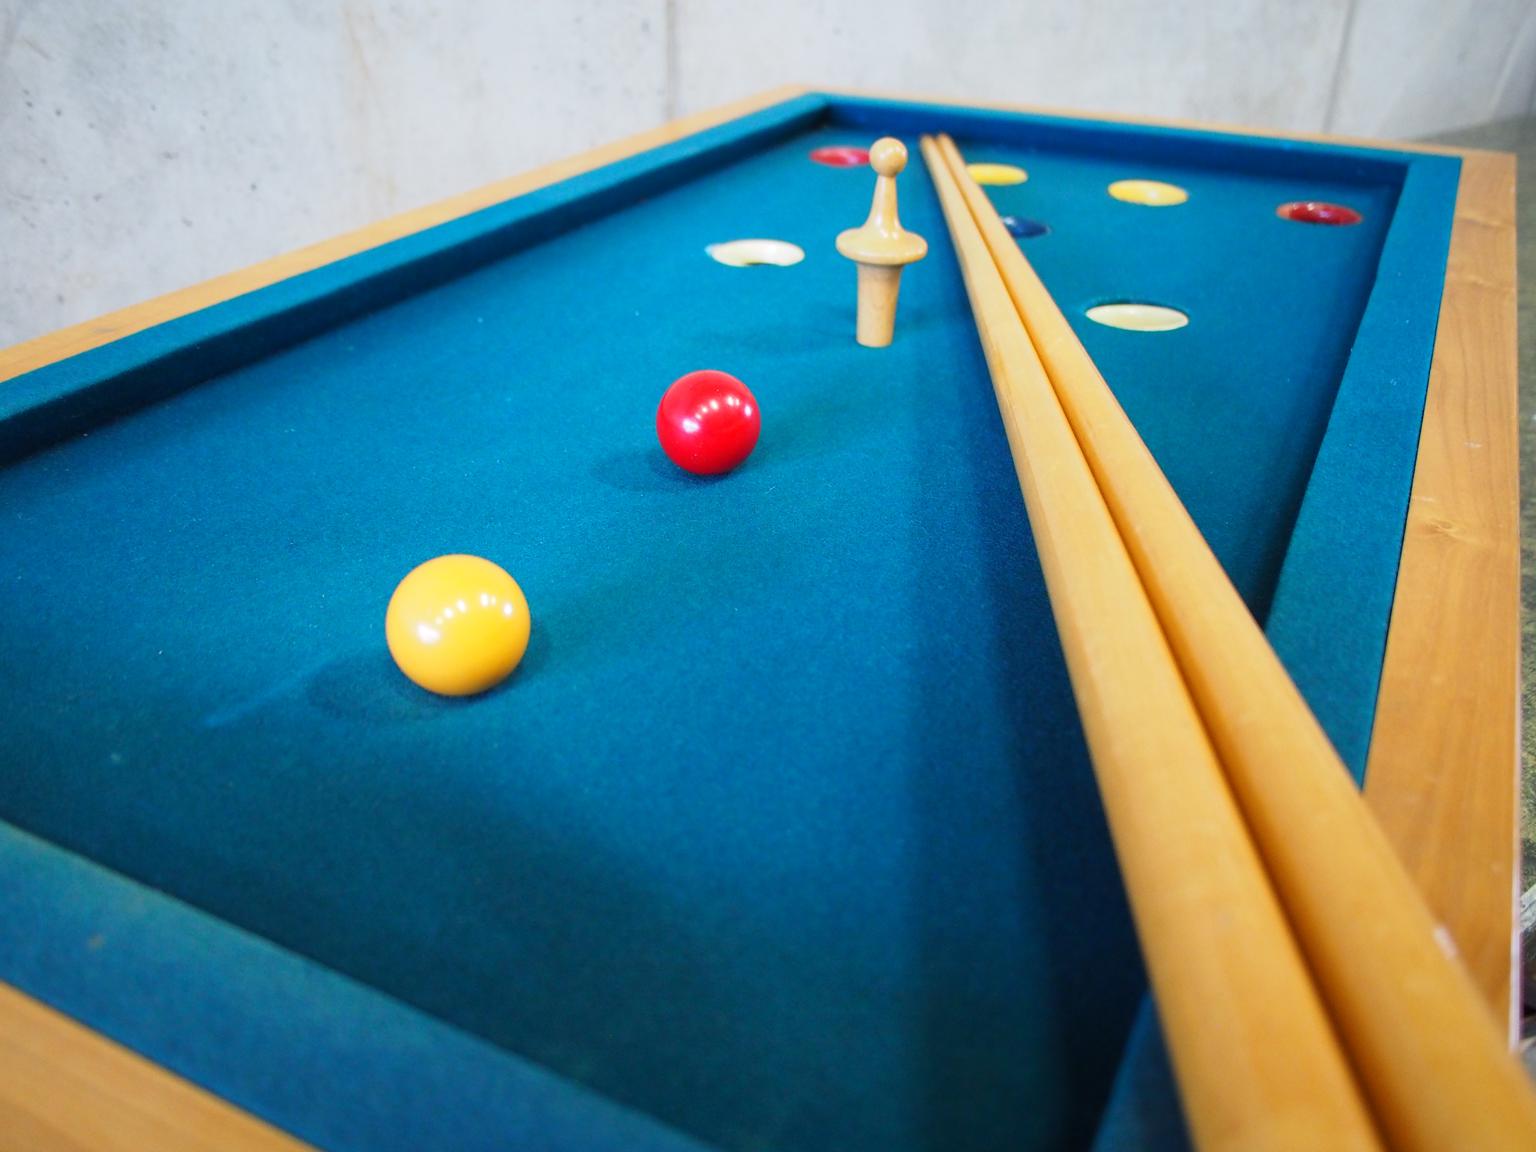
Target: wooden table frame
[1443,771]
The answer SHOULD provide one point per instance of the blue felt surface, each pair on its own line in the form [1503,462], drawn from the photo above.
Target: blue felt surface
[784,834]
[339,1064]
[1233,406]
[1331,630]
[1143,1113]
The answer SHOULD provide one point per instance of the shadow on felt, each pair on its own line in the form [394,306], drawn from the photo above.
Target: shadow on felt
[1027,1068]
[367,686]
[647,470]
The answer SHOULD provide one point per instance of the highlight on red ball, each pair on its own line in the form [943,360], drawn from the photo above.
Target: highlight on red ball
[708,422]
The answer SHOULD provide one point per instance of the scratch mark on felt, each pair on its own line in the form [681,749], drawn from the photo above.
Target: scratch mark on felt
[240,709]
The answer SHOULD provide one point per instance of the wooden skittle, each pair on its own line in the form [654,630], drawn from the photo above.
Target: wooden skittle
[881,248]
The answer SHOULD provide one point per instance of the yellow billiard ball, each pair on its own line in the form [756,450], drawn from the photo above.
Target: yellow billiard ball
[457,625]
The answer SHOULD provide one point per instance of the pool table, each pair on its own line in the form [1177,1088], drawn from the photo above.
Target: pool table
[783,835]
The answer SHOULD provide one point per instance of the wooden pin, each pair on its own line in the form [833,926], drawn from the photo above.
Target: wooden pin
[881,248]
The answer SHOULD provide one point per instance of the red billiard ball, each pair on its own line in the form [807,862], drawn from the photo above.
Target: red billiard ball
[708,422]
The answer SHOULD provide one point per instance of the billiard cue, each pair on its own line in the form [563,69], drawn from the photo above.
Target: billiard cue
[1258,1063]
[1423,1040]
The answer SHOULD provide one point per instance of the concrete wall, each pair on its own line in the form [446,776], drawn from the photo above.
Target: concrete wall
[147,145]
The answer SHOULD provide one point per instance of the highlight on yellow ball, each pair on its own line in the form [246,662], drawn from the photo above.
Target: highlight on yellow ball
[457,625]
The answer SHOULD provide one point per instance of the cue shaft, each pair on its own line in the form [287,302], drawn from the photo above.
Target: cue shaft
[1428,1051]
[1259,1065]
